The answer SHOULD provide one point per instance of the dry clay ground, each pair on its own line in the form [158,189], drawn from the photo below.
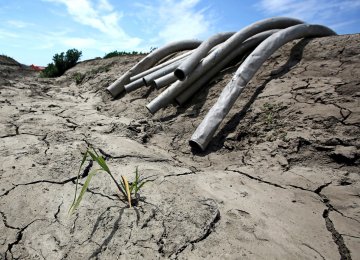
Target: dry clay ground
[279,181]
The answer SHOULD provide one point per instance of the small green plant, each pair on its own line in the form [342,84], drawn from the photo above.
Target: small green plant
[129,191]
[271,112]
[61,63]
[79,77]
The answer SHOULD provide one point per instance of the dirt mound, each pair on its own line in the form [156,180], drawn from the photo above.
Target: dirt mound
[279,180]
[6,60]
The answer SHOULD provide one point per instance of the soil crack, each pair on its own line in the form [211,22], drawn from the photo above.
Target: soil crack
[255,178]
[19,236]
[209,228]
[337,237]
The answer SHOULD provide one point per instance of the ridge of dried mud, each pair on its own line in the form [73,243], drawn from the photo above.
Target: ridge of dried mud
[280,180]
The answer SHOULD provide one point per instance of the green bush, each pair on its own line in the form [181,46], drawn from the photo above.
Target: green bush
[122,53]
[61,63]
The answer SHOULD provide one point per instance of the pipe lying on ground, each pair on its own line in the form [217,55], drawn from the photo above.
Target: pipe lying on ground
[150,77]
[205,131]
[163,81]
[191,62]
[160,66]
[216,56]
[160,73]
[240,51]
[150,60]
[134,85]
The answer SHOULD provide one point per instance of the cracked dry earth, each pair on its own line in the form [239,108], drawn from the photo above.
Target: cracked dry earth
[279,181]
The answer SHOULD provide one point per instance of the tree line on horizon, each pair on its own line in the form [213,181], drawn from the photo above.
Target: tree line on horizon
[64,61]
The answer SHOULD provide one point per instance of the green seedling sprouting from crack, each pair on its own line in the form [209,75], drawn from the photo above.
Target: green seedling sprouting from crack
[128,190]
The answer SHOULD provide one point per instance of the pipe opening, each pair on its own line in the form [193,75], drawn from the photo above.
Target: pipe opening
[149,109]
[145,82]
[180,74]
[196,146]
[153,84]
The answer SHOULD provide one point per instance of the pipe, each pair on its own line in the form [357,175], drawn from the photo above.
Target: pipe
[158,83]
[216,56]
[160,66]
[240,51]
[205,131]
[163,81]
[150,60]
[190,63]
[150,77]
[162,72]
[134,85]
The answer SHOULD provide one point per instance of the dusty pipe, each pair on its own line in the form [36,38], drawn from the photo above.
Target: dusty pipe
[207,128]
[150,60]
[147,77]
[191,62]
[134,85]
[241,50]
[163,81]
[160,66]
[160,73]
[216,56]
[150,77]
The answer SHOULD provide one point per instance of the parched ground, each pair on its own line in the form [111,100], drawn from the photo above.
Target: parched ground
[280,180]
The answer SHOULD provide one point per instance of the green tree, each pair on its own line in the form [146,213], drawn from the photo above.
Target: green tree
[61,63]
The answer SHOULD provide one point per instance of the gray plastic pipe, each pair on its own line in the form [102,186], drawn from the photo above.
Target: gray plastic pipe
[216,56]
[191,62]
[160,73]
[160,66]
[207,128]
[150,77]
[150,60]
[164,81]
[240,51]
[134,85]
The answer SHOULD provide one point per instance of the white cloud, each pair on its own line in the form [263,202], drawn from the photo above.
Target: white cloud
[319,11]
[18,23]
[79,43]
[172,20]
[101,17]
[6,34]
[105,5]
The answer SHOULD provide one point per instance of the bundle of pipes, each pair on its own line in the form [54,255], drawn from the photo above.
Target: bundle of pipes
[188,72]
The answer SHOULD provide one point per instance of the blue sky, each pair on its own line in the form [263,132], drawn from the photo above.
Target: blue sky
[33,31]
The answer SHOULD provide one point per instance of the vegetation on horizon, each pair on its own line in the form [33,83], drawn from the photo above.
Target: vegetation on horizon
[124,53]
[62,62]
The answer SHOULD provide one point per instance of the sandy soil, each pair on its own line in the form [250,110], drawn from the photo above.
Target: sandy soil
[279,181]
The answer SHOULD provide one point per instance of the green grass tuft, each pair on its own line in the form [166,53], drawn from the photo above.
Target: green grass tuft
[129,191]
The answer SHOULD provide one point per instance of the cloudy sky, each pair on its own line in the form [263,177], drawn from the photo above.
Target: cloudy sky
[33,31]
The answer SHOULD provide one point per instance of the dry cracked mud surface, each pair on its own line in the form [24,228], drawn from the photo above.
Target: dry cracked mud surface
[280,180]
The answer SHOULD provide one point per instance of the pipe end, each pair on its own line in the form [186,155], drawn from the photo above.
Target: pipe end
[149,108]
[115,90]
[180,74]
[196,146]
[145,81]
[153,84]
